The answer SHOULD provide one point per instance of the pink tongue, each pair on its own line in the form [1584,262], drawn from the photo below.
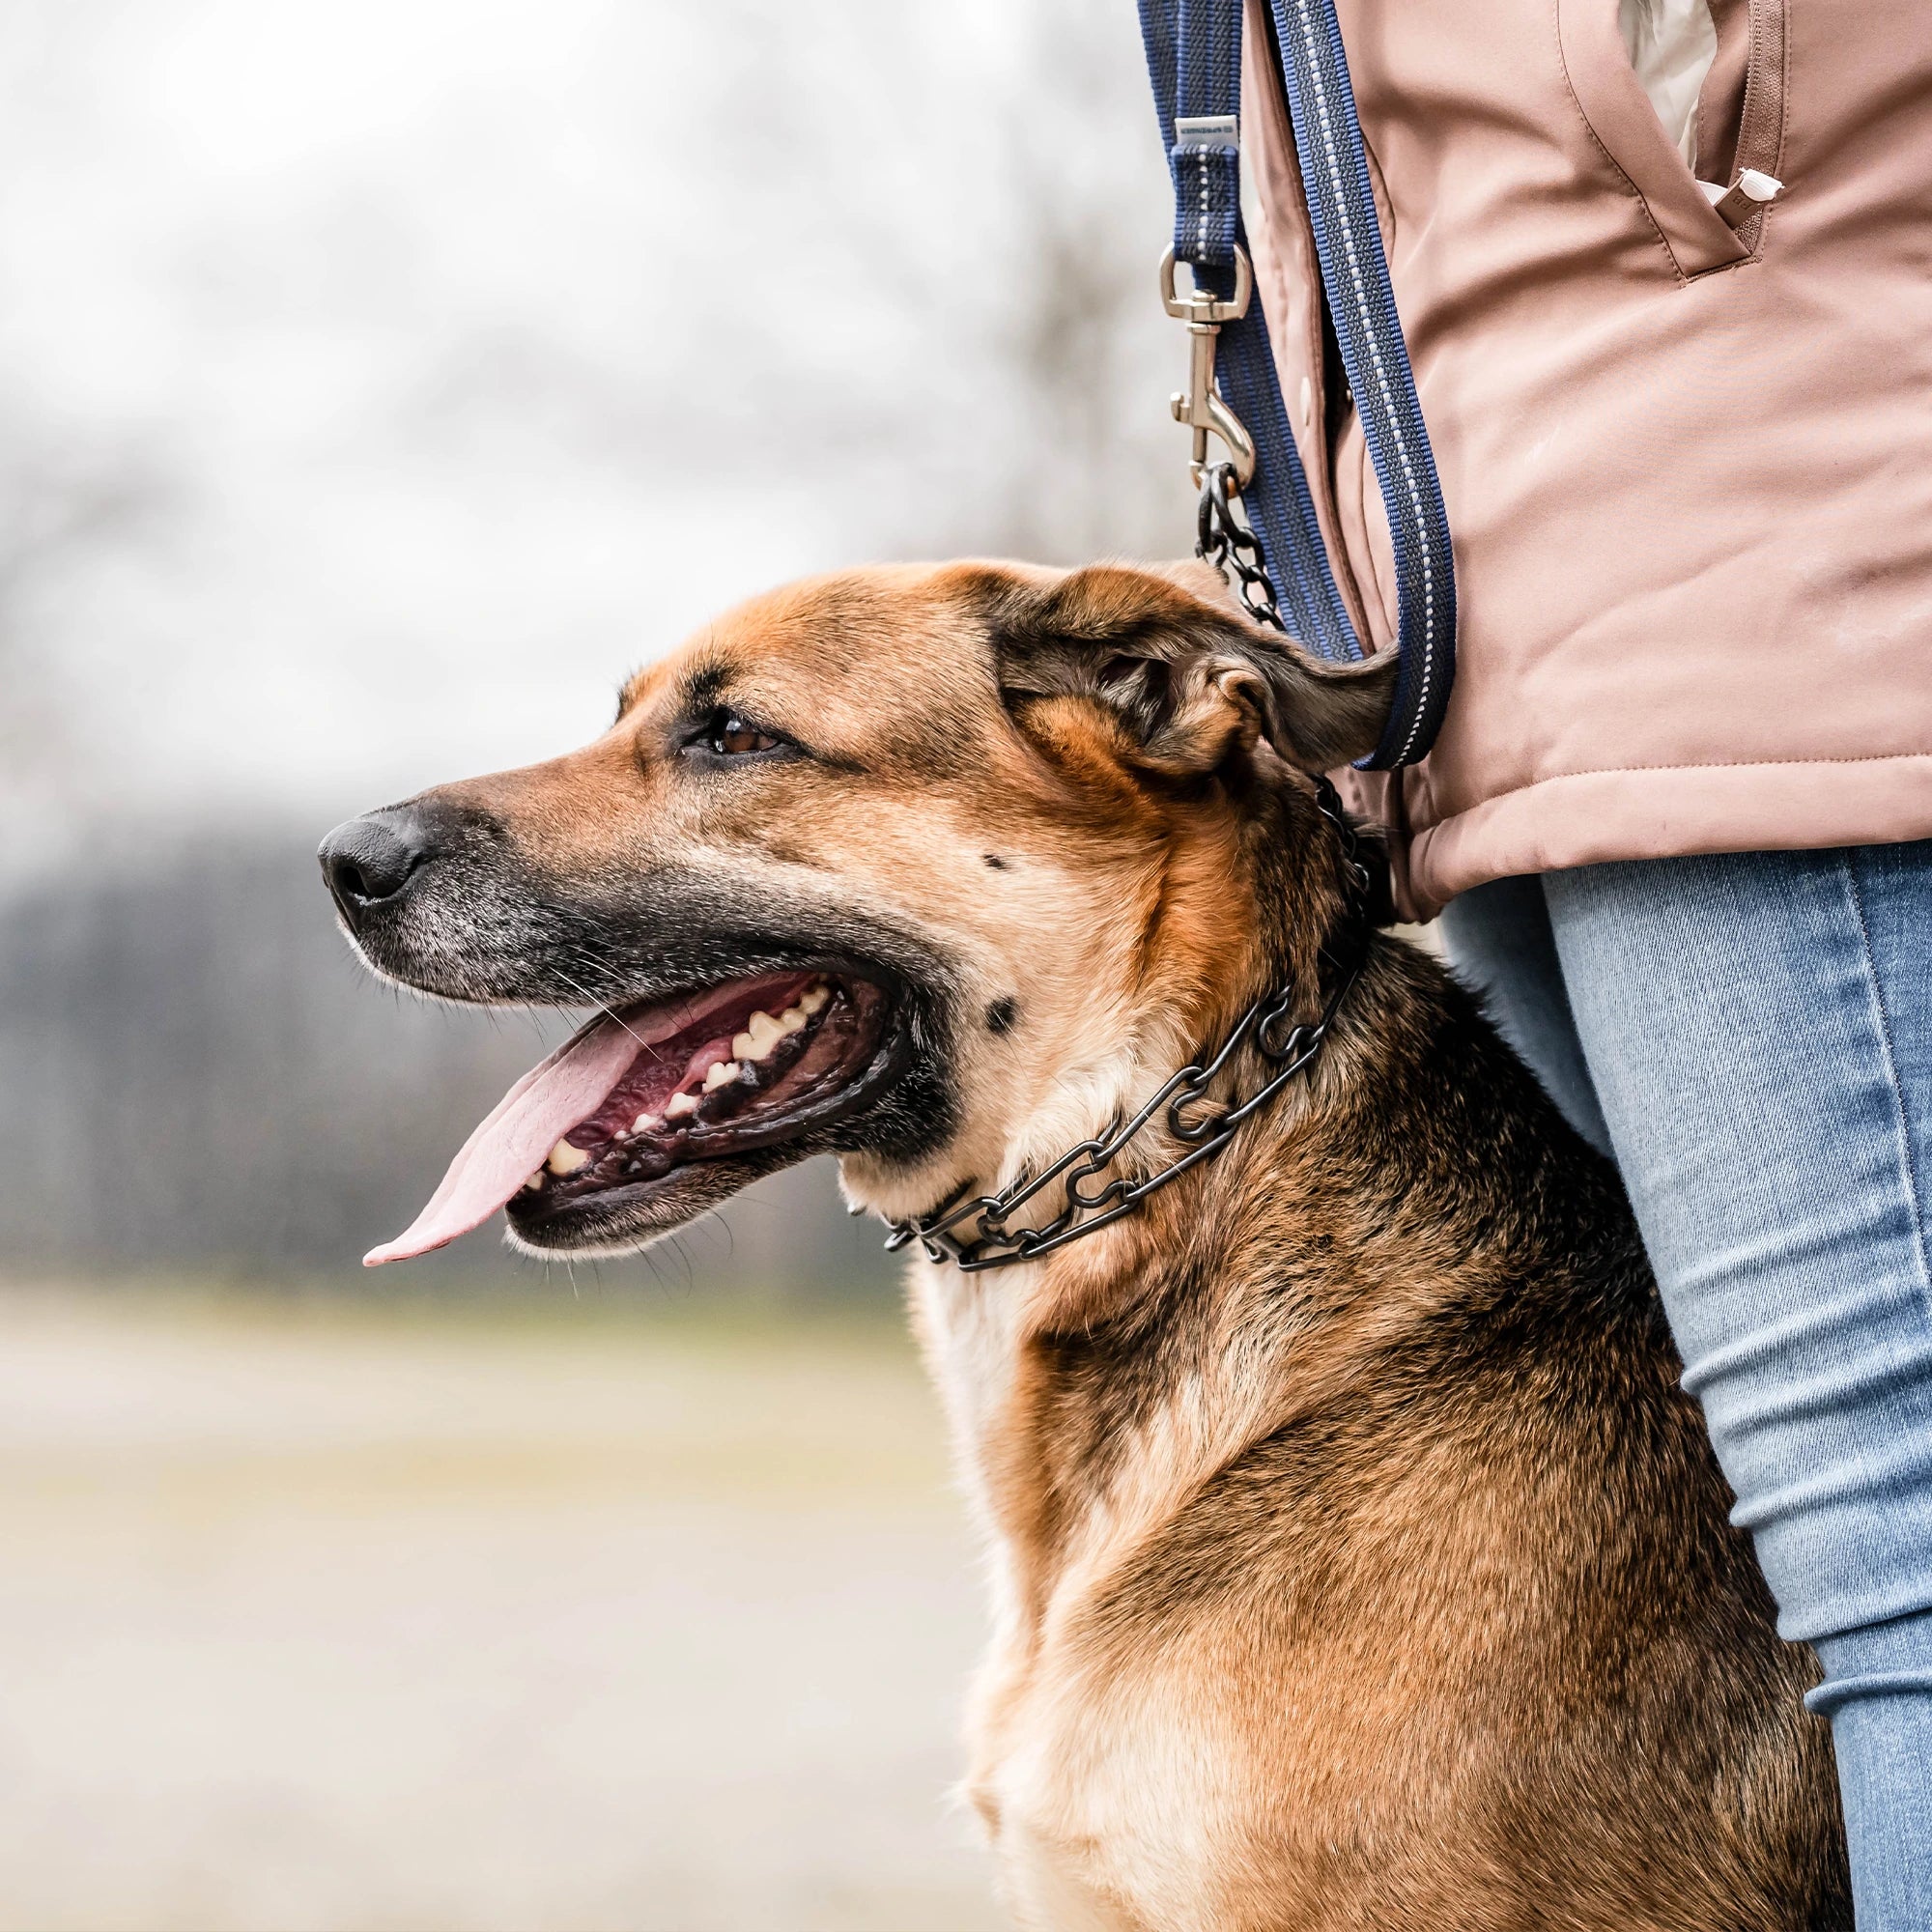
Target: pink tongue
[512,1144]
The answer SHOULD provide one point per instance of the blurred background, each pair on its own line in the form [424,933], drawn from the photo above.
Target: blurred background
[378,383]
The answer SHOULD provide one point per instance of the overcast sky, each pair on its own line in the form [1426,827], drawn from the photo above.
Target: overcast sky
[380,381]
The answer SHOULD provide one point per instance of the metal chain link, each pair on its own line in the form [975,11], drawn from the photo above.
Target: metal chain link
[972,1233]
[1226,539]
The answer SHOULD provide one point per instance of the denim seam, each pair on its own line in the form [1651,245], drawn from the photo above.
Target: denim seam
[1901,1120]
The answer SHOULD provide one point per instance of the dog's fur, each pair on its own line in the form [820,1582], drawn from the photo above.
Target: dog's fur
[1358,1561]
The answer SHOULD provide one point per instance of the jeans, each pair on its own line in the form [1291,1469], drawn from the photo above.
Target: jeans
[1749,1035]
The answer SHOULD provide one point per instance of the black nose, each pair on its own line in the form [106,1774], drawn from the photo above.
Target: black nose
[372,859]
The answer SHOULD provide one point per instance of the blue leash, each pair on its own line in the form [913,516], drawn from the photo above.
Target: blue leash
[1194,61]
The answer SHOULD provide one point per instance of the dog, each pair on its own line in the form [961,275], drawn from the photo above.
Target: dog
[1358,1561]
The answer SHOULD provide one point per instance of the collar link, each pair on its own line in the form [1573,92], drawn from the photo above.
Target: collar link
[971,1231]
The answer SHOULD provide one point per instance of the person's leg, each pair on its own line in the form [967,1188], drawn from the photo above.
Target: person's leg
[1759,1029]
[1877,1695]
[1499,944]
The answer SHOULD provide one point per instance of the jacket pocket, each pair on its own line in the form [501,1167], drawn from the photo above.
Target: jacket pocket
[1740,123]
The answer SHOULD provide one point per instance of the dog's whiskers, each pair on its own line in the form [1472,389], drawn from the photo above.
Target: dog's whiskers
[602,1006]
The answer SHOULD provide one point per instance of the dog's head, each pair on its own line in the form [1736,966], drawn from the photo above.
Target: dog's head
[926,867]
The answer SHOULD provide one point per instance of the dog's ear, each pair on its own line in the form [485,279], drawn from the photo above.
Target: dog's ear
[1191,684]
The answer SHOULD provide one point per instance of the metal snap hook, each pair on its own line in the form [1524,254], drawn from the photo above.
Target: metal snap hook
[1200,406]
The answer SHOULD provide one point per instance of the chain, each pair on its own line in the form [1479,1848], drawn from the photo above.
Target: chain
[1226,540]
[973,1233]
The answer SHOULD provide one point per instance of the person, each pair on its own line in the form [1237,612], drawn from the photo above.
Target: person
[1664,273]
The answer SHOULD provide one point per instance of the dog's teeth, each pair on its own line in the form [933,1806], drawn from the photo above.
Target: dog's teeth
[762,1034]
[645,1123]
[814,997]
[533,1182]
[566,1159]
[679,1105]
[721,1075]
[792,1019]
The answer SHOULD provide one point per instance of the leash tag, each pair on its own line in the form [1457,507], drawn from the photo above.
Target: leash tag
[1207,130]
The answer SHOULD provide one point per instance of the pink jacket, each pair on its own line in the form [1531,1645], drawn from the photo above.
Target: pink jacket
[1688,466]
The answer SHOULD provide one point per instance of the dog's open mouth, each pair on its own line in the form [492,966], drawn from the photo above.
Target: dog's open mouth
[637,1096]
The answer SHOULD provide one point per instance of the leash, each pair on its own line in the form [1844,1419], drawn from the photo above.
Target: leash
[1255,508]
[972,1232]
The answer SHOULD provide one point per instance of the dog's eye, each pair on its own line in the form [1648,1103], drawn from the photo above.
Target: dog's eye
[728,735]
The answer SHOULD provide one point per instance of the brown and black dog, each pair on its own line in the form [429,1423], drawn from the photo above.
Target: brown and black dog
[1358,1560]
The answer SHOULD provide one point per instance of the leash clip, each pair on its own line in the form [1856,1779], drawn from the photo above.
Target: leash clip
[1200,406]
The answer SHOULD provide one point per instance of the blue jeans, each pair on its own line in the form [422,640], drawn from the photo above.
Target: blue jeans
[1750,1036]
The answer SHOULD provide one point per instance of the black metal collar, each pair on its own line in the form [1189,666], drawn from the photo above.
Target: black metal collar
[972,1232]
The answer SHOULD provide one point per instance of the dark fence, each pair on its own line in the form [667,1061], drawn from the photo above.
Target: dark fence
[197,1077]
